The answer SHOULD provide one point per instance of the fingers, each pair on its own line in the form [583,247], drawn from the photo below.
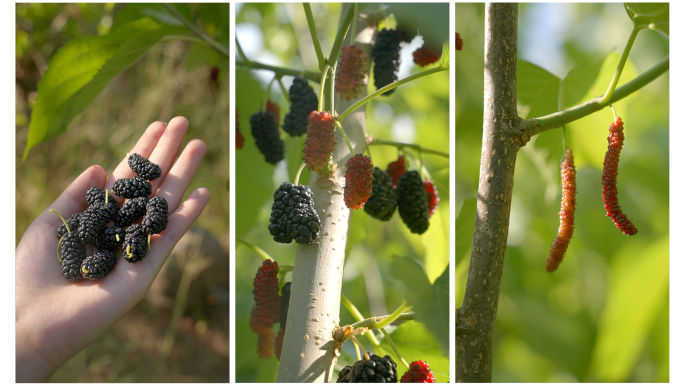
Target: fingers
[72,200]
[167,148]
[178,179]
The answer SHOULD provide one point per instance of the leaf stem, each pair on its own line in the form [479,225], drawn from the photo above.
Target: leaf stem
[356,314]
[281,71]
[396,351]
[346,139]
[372,322]
[416,147]
[621,65]
[314,35]
[256,249]
[213,43]
[282,88]
[389,319]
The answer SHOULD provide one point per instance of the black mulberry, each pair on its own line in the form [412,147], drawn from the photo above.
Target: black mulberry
[135,244]
[131,211]
[412,200]
[284,304]
[73,223]
[376,370]
[386,58]
[94,219]
[267,136]
[133,187]
[157,216]
[293,216]
[143,167]
[383,201]
[304,101]
[97,265]
[73,254]
[94,195]
[107,240]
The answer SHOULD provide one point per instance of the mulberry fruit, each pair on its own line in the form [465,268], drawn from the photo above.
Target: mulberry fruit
[425,56]
[320,140]
[396,169]
[267,311]
[459,42]
[567,213]
[97,265]
[419,372]
[358,181]
[133,187]
[412,202]
[239,139]
[73,223]
[214,74]
[135,244]
[94,195]
[386,58]
[383,201]
[303,100]
[275,110]
[279,342]
[375,370]
[284,304]
[267,136]
[107,240]
[73,254]
[432,196]
[94,219]
[157,216]
[351,72]
[131,211]
[266,344]
[143,167]
[610,171]
[293,216]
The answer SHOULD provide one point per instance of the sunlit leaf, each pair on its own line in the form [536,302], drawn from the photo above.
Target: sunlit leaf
[537,89]
[655,16]
[436,243]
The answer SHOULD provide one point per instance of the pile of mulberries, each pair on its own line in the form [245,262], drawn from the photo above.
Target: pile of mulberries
[303,100]
[351,72]
[267,136]
[386,58]
[320,140]
[293,216]
[374,370]
[358,181]
[92,225]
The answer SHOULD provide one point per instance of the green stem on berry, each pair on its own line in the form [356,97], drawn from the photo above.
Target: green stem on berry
[401,146]
[389,319]
[280,71]
[299,172]
[128,251]
[356,314]
[282,88]
[314,35]
[394,347]
[321,92]
[346,139]
[63,221]
[149,245]
[214,44]
[621,65]
[256,249]
[614,114]
[365,354]
[389,87]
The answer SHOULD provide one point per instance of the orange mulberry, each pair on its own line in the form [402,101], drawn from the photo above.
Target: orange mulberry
[567,213]
[358,181]
[320,140]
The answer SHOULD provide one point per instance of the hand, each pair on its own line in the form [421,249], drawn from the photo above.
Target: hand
[55,318]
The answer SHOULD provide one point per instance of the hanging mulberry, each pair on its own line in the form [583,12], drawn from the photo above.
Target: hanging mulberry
[267,311]
[433,196]
[419,372]
[303,100]
[459,42]
[386,58]
[267,136]
[351,72]
[412,201]
[567,212]
[396,169]
[610,171]
[320,140]
[383,201]
[275,110]
[424,56]
[358,178]
[293,216]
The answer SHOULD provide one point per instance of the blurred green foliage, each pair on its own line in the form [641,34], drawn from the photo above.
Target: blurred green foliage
[277,34]
[603,316]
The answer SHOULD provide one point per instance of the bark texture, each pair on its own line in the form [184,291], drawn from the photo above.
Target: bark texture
[501,140]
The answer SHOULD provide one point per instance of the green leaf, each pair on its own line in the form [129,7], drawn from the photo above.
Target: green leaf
[537,90]
[444,60]
[436,243]
[580,80]
[81,69]
[415,342]
[429,302]
[655,16]
[158,12]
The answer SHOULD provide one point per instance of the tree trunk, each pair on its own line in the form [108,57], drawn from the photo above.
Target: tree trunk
[501,140]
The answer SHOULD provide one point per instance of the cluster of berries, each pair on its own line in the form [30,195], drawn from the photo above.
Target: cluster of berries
[90,226]
[378,369]
[269,308]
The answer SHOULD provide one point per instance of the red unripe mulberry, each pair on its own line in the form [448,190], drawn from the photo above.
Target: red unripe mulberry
[610,171]
[396,169]
[320,140]
[351,72]
[432,195]
[266,297]
[239,139]
[425,56]
[567,213]
[419,372]
[274,109]
[459,42]
[358,181]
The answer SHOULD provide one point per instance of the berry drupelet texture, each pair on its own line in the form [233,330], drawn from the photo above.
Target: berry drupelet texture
[157,216]
[267,311]
[135,244]
[412,201]
[293,216]
[107,240]
[303,100]
[358,181]
[284,304]
[267,136]
[567,212]
[97,265]
[131,211]
[143,167]
[376,370]
[419,372]
[73,254]
[133,187]
[95,195]
[94,219]
[396,169]
[386,58]
[73,223]
[616,139]
[320,140]
[383,201]
[351,72]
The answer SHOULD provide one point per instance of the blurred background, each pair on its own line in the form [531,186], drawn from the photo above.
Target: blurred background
[418,112]
[179,332]
[603,316]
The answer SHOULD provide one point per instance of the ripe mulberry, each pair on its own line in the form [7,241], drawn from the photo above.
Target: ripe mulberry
[432,196]
[303,100]
[412,201]
[144,168]
[376,370]
[133,187]
[156,216]
[320,140]
[107,240]
[267,311]
[131,211]
[419,372]
[267,136]
[94,219]
[358,181]
[425,56]
[214,74]
[275,110]
[135,244]
[459,42]
[284,303]
[351,72]
[73,223]
[239,139]
[97,265]
[567,213]
[383,201]
[610,171]
[396,169]
[94,195]
[73,254]
[293,216]
[279,342]
[386,58]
